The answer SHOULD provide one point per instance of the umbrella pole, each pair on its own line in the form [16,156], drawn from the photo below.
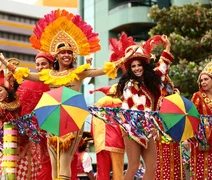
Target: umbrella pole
[58,157]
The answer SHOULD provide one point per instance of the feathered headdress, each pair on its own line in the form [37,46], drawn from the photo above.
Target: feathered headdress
[124,44]
[61,27]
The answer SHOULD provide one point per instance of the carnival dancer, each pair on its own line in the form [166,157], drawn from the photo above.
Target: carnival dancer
[65,35]
[140,88]
[26,167]
[9,110]
[108,141]
[29,93]
[201,160]
[168,152]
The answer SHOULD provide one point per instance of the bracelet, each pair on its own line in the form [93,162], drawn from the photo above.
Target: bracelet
[14,61]
[119,63]
[11,67]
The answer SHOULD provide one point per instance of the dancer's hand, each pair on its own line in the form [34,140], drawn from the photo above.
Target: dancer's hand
[176,90]
[166,40]
[89,60]
[187,144]
[130,51]
[2,58]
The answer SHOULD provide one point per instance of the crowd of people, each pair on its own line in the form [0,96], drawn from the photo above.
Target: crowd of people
[61,37]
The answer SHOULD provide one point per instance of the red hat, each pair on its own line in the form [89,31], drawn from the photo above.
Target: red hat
[45,55]
[125,44]
[1,78]
[107,90]
[6,80]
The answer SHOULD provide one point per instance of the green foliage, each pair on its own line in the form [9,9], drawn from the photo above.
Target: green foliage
[185,75]
[189,29]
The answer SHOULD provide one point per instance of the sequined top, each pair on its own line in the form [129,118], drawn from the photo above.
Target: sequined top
[202,103]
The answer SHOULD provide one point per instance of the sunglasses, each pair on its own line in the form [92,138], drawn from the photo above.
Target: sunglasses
[66,52]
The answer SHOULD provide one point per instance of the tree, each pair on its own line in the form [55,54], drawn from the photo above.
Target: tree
[189,28]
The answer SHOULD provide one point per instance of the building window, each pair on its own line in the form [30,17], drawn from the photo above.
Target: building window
[13,36]
[130,3]
[18,18]
[11,18]
[23,57]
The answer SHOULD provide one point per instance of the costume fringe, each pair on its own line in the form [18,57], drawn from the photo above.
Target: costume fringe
[110,70]
[109,101]
[21,72]
[46,76]
[64,144]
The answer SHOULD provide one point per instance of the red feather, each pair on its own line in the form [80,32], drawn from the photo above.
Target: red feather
[119,46]
[86,28]
[1,78]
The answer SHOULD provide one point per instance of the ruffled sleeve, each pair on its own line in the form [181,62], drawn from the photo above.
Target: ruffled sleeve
[49,77]
[163,64]
[87,163]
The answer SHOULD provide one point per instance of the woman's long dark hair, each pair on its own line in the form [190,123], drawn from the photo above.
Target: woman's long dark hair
[56,64]
[150,79]
[12,93]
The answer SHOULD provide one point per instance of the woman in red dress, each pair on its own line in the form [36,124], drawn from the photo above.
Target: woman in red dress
[29,93]
[201,160]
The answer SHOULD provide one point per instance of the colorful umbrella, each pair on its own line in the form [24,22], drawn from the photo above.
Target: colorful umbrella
[180,117]
[61,111]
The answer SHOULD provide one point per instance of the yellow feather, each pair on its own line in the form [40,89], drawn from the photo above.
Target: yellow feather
[46,76]
[21,72]
[110,70]
[76,36]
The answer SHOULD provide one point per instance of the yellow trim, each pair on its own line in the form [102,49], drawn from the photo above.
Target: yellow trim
[17,25]
[56,78]
[114,149]
[12,43]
